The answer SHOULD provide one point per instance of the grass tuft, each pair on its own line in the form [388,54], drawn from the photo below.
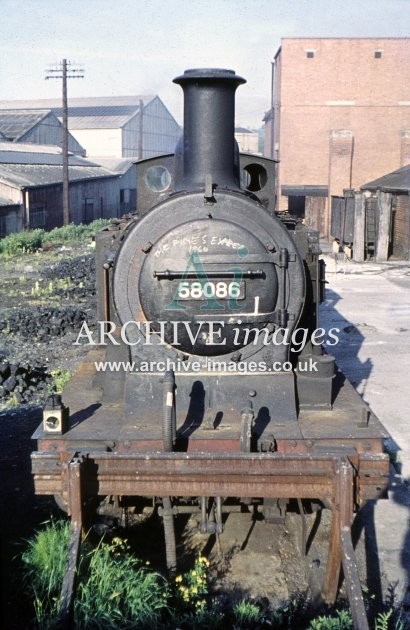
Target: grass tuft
[118,590]
[114,590]
[22,242]
[45,563]
[342,620]
[74,232]
[246,614]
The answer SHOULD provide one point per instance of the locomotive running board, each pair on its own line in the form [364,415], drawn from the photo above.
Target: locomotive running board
[332,479]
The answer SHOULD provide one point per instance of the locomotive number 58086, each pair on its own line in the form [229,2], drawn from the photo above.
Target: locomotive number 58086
[208,290]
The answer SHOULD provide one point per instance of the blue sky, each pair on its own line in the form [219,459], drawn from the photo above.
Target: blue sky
[139,46]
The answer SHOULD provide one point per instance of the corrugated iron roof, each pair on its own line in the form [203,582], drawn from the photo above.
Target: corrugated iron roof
[87,101]
[33,175]
[116,165]
[97,122]
[51,159]
[15,123]
[4,201]
[397,180]
[22,147]
[100,110]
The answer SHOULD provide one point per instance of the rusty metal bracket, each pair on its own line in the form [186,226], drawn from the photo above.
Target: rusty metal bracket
[73,470]
[341,551]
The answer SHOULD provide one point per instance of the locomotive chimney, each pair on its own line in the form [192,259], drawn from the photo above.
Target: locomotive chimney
[208,144]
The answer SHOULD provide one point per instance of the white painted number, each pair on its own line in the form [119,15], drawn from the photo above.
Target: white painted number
[183,290]
[208,290]
[196,290]
[234,290]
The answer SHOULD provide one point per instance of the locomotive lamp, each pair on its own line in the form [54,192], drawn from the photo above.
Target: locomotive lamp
[55,416]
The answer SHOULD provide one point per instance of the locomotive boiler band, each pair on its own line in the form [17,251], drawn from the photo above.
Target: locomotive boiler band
[208,274]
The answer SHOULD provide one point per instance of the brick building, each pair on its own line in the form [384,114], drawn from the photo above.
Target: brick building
[340,117]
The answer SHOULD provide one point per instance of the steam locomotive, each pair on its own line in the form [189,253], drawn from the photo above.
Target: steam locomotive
[208,303]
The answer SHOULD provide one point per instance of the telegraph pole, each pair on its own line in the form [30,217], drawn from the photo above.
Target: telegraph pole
[64,70]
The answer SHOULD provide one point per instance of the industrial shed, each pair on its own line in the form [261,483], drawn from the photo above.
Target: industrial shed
[10,216]
[31,188]
[127,172]
[35,127]
[116,126]
[394,219]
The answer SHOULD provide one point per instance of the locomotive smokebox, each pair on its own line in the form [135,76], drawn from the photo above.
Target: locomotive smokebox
[208,146]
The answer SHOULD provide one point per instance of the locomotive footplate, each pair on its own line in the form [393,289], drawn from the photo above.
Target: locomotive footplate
[95,424]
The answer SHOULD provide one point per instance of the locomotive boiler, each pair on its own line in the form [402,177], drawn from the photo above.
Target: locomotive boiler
[209,377]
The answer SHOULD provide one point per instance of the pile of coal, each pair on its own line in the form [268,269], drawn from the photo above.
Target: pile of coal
[41,323]
[22,382]
[79,270]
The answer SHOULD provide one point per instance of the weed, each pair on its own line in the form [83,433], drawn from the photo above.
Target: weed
[193,585]
[53,286]
[32,240]
[118,590]
[12,402]
[61,377]
[22,242]
[45,560]
[36,290]
[114,590]
[74,232]
[389,620]
[205,617]
[342,620]
[246,614]
[193,610]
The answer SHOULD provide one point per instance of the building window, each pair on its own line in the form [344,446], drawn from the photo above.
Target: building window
[310,54]
[377,54]
[37,217]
